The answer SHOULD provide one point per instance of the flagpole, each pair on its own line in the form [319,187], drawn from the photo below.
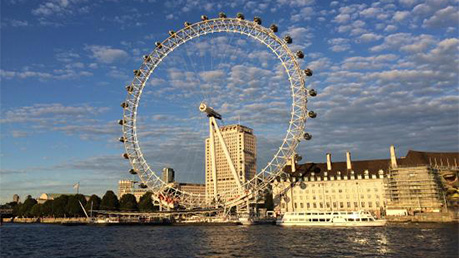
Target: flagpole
[78,188]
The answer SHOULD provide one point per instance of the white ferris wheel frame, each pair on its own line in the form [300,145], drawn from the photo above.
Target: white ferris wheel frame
[164,193]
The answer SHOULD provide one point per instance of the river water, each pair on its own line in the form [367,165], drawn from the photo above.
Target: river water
[395,240]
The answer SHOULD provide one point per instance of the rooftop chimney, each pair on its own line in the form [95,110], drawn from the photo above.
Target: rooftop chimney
[348,160]
[329,167]
[393,158]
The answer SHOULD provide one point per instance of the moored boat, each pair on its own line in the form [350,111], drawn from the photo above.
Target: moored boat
[330,218]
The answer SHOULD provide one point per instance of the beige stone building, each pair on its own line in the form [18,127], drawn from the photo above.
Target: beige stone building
[128,187]
[241,144]
[341,187]
[412,183]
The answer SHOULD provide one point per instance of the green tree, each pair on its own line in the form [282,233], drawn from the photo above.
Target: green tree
[26,207]
[95,200]
[146,202]
[36,210]
[17,210]
[47,208]
[109,201]
[128,203]
[59,205]
[73,206]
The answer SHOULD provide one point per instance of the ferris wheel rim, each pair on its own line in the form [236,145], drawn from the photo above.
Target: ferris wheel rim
[217,25]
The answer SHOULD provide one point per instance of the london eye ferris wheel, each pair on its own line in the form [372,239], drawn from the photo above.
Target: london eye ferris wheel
[173,197]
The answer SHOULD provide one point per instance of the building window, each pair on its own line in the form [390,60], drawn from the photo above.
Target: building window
[295,205]
[363,204]
[283,205]
[301,205]
[321,205]
[328,205]
[356,205]
[370,205]
[314,205]
[334,204]
[341,205]
[377,203]
[308,205]
[349,204]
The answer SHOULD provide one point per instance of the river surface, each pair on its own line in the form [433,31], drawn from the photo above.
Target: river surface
[396,240]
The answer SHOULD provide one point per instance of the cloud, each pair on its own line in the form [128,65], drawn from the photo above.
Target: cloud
[400,16]
[339,44]
[368,37]
[405,42]
[107,54]
[448,16]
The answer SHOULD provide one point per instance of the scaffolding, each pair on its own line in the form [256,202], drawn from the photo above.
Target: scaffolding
[415,188]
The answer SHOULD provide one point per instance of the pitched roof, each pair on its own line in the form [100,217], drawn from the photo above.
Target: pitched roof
[373,166]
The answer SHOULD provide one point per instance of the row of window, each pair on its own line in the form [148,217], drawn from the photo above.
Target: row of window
[335,205]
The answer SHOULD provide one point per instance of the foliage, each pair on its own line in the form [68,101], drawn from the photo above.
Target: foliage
[109,201]
[73,207]
[36,210]
[47,208]
[95,200]
[128,203]
[26,207]
[59,206]
[146,202]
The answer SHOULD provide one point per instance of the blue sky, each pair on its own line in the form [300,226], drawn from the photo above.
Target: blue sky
[386,72]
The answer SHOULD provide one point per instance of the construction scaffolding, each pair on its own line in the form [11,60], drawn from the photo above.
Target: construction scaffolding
[414,188]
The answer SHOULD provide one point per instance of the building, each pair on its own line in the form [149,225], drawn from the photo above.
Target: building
[198,189]
[344,186]
[421,181]
[241,144]
[128,187]
[168,175]
[411,183]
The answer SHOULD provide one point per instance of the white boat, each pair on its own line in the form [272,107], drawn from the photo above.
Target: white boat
[330,219]
[247,219]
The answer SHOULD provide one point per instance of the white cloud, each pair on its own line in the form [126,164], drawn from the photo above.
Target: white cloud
[367,37]
[342,18]
[107,54]
[400,16]
[443,18]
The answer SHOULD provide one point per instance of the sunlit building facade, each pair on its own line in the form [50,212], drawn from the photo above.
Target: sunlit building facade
[241,144]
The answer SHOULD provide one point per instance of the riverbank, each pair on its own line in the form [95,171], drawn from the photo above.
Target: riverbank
[44,220]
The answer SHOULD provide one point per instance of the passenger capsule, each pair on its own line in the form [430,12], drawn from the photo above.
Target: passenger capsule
[125,155]
[257,20]
[142,185]
[240,16]
[172,33]
[308,72]
[129,88]
[204,18]
[312,92]
[187,24]
[137,72]
[300,54]
[221,15]
[147,58]
[273,28]
[307,136]
[121,139]
[158,45]
[312,114]
[132,171]
[288,39]
[121,122]
[124,105]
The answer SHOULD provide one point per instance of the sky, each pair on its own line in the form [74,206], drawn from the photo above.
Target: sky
[386,73]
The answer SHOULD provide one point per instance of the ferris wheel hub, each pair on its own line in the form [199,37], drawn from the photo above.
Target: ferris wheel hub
[209,111]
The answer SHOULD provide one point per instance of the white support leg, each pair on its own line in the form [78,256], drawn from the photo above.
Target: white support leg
[227,154]
[212,154]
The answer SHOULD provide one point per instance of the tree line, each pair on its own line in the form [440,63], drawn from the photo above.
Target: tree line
[69,205]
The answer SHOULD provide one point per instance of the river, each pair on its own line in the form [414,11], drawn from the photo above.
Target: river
[394,240]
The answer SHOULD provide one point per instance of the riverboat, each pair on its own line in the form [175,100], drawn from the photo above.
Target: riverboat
[330,219]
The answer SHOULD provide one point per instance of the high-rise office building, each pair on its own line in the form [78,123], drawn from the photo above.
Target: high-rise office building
[241,145]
